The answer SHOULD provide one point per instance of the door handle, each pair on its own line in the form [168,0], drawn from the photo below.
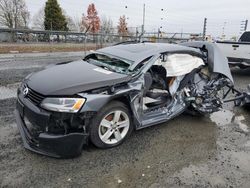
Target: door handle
[235,46]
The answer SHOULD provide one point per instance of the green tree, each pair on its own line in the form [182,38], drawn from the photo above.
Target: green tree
[54,18]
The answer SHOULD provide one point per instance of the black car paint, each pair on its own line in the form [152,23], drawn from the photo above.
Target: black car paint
[72,78]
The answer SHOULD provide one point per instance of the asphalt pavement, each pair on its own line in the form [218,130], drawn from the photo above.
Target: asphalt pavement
[211,151]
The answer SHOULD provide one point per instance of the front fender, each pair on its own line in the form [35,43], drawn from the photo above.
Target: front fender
[131,96]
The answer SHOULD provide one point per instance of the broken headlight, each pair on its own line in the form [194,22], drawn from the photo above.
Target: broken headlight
[71,105]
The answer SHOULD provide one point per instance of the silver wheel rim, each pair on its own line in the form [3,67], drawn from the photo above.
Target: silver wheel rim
[114,127]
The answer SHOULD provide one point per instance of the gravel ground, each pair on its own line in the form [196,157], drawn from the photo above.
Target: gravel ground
[212,151]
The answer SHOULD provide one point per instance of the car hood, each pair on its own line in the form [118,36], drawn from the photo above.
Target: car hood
[72,78]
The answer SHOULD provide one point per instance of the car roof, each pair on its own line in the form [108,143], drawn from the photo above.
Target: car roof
[140,51]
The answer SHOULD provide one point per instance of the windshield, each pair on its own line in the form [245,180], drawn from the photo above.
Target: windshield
[108,63]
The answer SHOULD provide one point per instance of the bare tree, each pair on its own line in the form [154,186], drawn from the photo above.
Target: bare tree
[25,15]
[70,22]
[84,26]
[78,23]
[38,19]
[107,25]
[14,14]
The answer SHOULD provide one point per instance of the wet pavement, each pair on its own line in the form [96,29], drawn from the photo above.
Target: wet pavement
[211,151]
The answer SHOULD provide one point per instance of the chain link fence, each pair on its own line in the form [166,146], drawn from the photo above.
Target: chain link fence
[97,40]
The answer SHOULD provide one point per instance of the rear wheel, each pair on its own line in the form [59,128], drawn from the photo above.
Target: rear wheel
[111,126]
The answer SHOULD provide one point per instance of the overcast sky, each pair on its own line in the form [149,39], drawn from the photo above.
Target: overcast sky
[177,15]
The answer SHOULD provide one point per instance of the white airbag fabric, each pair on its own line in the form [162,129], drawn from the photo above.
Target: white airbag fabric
[180,64]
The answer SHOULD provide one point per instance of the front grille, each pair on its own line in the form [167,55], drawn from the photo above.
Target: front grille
[34,97]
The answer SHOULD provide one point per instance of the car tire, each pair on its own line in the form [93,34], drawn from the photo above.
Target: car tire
[111,126]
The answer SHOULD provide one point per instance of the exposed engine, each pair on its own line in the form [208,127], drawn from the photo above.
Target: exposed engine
[204,93]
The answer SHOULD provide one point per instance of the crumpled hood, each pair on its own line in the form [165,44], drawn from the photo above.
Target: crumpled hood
[72,78]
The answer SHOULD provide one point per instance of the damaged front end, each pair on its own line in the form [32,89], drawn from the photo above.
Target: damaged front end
[60,135]
[207,95]
[214,86]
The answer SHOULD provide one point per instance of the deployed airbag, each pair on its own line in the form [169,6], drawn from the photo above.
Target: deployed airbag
[180,64]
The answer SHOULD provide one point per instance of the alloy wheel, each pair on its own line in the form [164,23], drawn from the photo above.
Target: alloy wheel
[114,127]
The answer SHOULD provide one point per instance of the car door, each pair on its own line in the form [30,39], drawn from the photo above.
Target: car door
[136,98]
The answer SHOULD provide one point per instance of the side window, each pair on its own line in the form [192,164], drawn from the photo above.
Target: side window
[161,60]
[141,64]
[245,37]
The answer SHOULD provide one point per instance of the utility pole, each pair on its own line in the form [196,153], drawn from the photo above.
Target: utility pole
[51,28]
[204,29]
[143,19]
[136,33]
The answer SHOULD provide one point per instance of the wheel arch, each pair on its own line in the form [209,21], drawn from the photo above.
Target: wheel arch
[96,103]
[125,99]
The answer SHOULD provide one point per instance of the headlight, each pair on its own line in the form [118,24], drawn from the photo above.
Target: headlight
[71,105]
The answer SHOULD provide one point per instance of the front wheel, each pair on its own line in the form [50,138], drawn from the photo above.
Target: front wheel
[111,126]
